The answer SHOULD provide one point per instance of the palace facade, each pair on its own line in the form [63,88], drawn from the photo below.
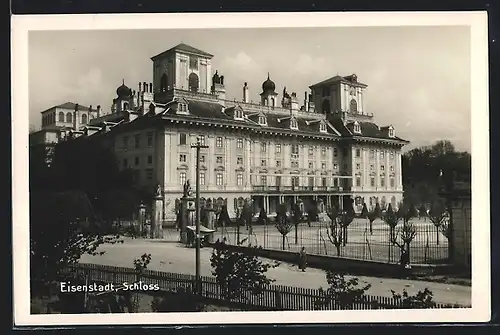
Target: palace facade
[321,148]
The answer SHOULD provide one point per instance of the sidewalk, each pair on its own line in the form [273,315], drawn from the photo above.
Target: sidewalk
[172,257]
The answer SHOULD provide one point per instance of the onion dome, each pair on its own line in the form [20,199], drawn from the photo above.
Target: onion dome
[268,85]
[123,90]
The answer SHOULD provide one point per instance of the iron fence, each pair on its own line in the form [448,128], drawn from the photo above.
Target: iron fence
[362,240]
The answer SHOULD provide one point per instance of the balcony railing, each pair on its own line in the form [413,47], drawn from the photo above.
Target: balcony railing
[284,189]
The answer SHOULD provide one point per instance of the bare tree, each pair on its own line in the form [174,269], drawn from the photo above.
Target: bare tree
[283,223]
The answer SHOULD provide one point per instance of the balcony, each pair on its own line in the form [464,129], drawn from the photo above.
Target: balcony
[297,189]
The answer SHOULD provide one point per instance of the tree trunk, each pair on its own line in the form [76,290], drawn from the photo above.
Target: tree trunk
[283,242]
[371,227]
[237,233]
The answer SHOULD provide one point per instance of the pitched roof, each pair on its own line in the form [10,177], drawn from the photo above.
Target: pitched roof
[184,48]
[337,78]
[71,106]
[370,129]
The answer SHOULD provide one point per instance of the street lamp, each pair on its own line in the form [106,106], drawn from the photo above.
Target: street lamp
[198,146]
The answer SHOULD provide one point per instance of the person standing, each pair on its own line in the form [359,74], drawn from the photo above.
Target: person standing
[302,259]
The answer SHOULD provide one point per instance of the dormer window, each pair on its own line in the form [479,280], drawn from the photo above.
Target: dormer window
[238,114]
[322,127]
[262,120]
[182,108]
[357,128]
[391,131]
[293,124]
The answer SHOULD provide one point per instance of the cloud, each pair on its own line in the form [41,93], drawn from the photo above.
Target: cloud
[242,62]
[307,65]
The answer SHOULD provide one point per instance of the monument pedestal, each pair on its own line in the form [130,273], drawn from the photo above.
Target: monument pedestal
[157,217]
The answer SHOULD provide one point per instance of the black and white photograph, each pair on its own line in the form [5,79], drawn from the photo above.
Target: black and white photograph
[250,168]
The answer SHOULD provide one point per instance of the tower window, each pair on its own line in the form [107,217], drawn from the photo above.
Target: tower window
[218,142]
[239,143]
[354,106]
[391,132]
[84,118]
[293,124]
[61,117]
[357,128]
[325,106]
[163,82]
[238,114]
[193,63]
[262,120]
[194,82]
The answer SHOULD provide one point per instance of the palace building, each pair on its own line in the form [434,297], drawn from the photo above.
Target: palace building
[321,146]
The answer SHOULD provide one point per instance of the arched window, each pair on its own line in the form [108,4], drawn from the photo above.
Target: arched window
[383,203]
[84,118]
[69,117]
[61,117]
[325,107]
[194,82]
[393,202]
[354,106]
[125,106]
[272,102]
[163,82]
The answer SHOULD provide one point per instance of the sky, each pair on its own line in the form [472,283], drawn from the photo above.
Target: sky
[418,77]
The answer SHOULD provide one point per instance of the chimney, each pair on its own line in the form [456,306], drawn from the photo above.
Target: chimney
[150,88]
[144,87]
[75,117]
[98,110]
[140,85]
[245,93]
[306,102]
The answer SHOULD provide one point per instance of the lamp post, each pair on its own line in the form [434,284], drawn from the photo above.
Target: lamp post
[198,146]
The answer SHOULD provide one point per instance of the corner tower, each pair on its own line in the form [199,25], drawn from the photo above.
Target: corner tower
[181,67]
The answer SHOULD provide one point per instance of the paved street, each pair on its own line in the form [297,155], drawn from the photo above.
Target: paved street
[172,257]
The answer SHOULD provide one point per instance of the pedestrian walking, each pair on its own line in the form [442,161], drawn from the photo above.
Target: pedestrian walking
[303,259]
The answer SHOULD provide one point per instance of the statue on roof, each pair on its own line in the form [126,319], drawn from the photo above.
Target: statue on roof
[187,189]
[158,190]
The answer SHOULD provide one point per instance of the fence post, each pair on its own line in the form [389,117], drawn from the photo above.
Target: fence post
[277,300]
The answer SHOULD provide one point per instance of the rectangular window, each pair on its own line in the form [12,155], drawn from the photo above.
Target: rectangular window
[382,182]
[295,149]
[392,182]
[193,63]
[136,161]
[294,164]
[182,139]
[323,182]
[218,159]
[382,167]
[335,166]
[311,181]
[239,143]
[202,158]
[358,181]
[202,178]
[150,139]
[295,181]
[182,178]
[125,142]
[150,159]
[263,147]
[311,165]
[263,180]
[372,167]
[358,166]
[382,154]
[323,151]
[335,182]
[358,153]
[219,179]
[201,138]
[137,141]
[239,160]
[278,148]
[311,151]
[372,153]
[278,180]
[218,142]
[392,168]
[335,152]
[149,174]
[392,155]
[323,166]
[182,158]
[239,179]
[278,163]
[263,162]
[372,181]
